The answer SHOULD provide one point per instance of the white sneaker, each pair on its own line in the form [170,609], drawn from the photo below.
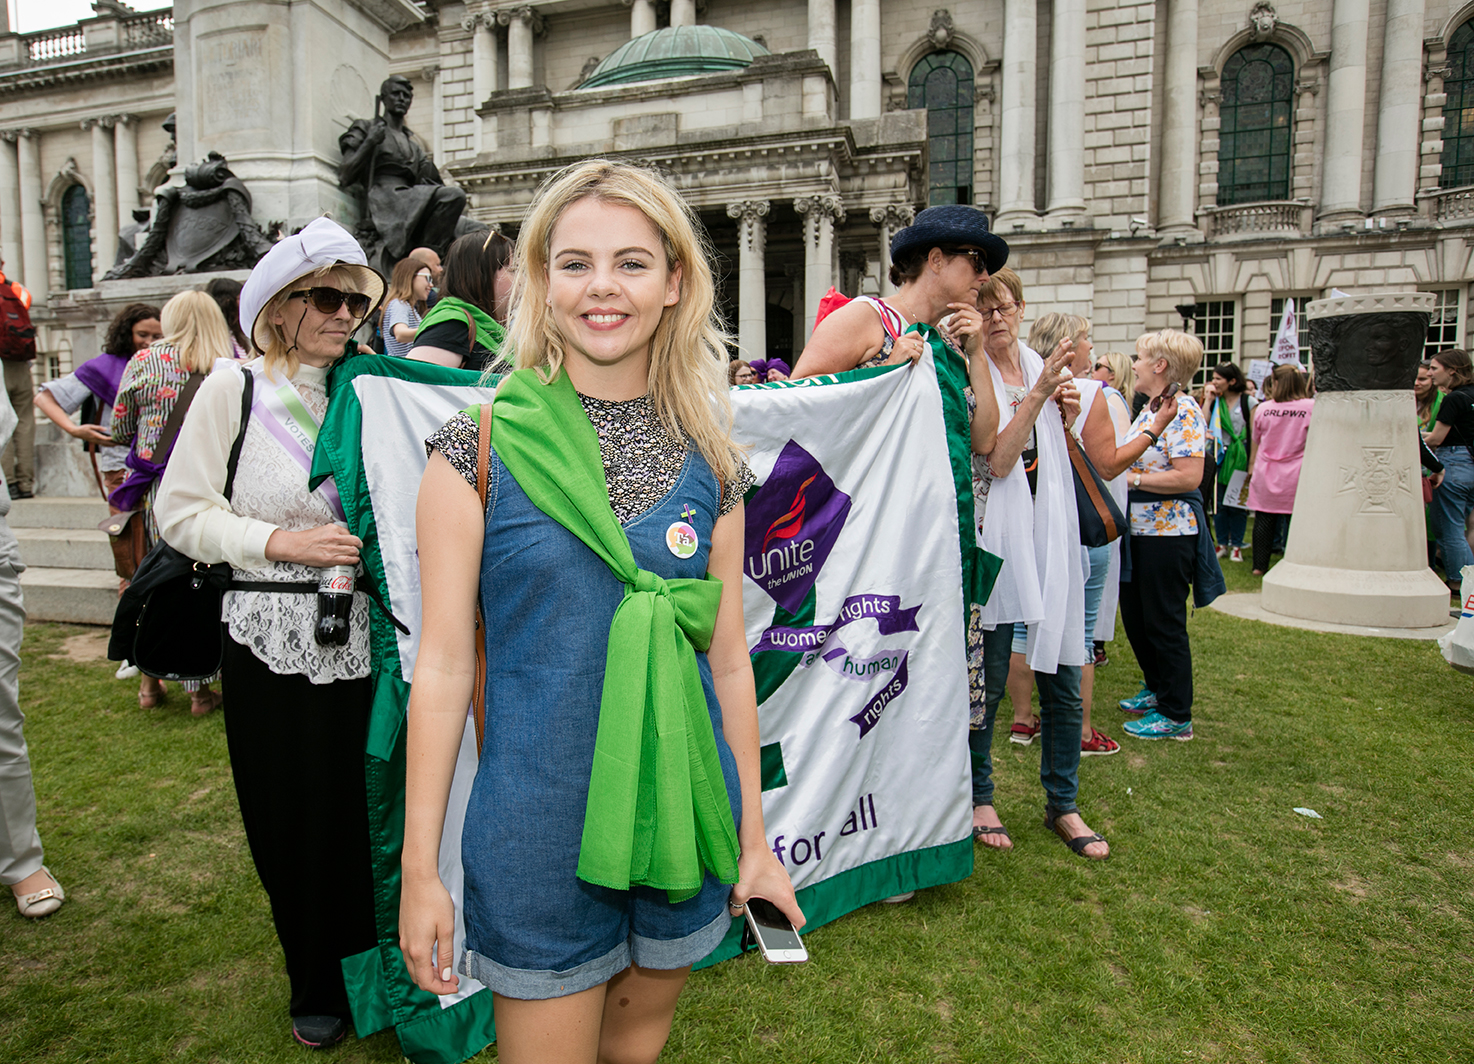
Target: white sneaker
[1236,555]
[898,898]
[126,671]
[1222,551]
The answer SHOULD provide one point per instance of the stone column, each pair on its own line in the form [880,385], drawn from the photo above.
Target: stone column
[1067,112]
[752,286]
[483,55]
[819,214]
[1346,97]
[521,23]
[889,218]
[105,193]
[10,205]
[1400,111]
[865,59]
[1361,558]
[32,228]
[1179,123]
[1016,148]
[125,150]
[642,17]
[437,95]
[822,31]
[682,12]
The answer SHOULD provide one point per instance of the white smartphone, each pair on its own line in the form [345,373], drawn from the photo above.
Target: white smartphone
[773,933]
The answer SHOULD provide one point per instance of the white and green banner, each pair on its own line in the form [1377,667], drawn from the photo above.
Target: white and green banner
[859,549]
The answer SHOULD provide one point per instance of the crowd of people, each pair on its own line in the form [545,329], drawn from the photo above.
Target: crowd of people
[603,325]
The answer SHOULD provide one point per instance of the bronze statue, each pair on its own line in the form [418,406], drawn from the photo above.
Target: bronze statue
[407,204]
[202,227]
[1355,352]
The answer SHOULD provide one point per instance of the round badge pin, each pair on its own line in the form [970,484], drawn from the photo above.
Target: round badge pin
[681,539]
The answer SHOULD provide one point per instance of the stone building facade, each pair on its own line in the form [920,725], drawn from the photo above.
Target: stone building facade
[1139,155]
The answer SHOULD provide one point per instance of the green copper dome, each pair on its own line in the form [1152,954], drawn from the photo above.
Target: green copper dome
[674,52]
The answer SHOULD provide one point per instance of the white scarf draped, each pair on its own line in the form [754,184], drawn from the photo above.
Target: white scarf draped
[1105,619]
[1042,583]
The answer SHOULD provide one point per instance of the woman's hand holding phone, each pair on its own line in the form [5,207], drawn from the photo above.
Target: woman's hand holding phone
[760,874]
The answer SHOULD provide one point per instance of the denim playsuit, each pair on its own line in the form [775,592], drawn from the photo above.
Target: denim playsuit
[533,929]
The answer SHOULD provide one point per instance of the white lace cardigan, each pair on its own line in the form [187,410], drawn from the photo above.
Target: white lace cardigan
[195,518]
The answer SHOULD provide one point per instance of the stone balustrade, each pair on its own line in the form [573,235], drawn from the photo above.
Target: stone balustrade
[1247,220]
[1448,206]
[149,30]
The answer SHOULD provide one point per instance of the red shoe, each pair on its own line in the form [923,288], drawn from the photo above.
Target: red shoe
[1023,734]
[1098,745]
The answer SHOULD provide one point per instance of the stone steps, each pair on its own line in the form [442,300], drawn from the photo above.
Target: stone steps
[69,565]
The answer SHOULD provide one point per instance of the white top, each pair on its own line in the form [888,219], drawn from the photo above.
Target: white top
[270,493]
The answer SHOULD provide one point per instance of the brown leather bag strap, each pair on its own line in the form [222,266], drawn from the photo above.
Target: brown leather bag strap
[483,473]
[176,416]
[1092,487]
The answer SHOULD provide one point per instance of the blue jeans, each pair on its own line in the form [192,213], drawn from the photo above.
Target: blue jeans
[1060,719]
[1097,568]
[1229,522]
[1452,501]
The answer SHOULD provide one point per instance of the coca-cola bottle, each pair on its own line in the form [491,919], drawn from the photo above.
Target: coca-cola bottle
[334,602]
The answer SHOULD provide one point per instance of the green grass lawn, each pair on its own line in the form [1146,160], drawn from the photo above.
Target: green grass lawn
[1225,927]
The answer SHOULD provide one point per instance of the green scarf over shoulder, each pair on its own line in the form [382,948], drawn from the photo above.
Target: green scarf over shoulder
[658,813]
[489,334]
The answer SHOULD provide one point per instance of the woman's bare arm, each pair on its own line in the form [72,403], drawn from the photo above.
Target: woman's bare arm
[760,873]
[449,530]
[438,355]
[851,335]
[1099,439]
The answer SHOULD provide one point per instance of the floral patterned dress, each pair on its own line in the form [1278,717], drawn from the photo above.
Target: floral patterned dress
[151,383]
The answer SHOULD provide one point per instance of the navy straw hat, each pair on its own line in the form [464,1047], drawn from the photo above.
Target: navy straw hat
[949,226]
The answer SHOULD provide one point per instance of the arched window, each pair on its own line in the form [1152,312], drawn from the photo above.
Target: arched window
[76,236]
[942,83]
[1458,111]
[1258,87]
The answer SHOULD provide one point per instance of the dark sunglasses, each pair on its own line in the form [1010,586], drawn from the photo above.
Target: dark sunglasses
[327,300]
[1101,365]
[979,260]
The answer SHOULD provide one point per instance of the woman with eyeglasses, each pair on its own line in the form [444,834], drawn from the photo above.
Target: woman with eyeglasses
[1114,368]
[409,288]
[1026,498]
[739,371]
[297,740]
[937,265]
[466,327]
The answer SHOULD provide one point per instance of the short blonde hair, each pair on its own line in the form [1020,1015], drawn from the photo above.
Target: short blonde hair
[1046,333]
[1121,371]
[281,353]
[1002,286]
[195,327]
[1183,353]
[688,353]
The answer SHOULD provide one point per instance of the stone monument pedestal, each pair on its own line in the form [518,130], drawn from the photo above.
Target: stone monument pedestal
[1357,552]
[271,86]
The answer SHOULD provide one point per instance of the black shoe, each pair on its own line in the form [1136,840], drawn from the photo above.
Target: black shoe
[16,493]
[1100,655]
[318,1032]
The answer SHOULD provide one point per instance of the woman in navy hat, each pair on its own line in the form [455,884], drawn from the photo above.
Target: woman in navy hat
[297,741]
[938,263]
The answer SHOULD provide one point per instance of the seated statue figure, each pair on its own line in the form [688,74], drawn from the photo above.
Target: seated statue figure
[408,206]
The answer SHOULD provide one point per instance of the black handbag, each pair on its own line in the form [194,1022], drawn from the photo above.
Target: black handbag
[168,621]
[1101,520]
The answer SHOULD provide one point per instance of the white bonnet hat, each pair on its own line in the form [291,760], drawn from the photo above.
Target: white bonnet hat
[322,242]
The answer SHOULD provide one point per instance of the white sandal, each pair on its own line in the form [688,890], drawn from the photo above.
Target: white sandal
[42,902]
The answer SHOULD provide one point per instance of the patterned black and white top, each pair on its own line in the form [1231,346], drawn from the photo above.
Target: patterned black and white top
[642,461]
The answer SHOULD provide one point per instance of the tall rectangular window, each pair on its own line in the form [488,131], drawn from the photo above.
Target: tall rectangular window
[1443,323]
[1254,136]
[1302,327]
[1214,325]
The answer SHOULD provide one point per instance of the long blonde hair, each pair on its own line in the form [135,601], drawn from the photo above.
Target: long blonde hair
[688,351]
[280,354]
[1121,371]
[195,327]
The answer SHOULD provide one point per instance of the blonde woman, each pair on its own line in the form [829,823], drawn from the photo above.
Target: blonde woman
[296,744]
[611,438]
[155,381]
[1114,368]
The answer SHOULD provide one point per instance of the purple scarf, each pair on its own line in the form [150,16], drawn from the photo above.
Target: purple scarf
[101,376]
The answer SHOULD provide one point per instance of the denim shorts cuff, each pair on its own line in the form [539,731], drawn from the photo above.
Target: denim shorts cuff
[666,954]
[534,985]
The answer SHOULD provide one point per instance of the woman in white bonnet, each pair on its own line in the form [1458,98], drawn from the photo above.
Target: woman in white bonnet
[297,739]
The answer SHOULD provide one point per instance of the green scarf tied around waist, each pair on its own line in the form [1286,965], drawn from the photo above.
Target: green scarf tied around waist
[1235,451]
[658,814]
[489,334]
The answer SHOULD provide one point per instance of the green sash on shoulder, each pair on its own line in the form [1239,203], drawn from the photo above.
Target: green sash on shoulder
[658,814]
[489,334]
